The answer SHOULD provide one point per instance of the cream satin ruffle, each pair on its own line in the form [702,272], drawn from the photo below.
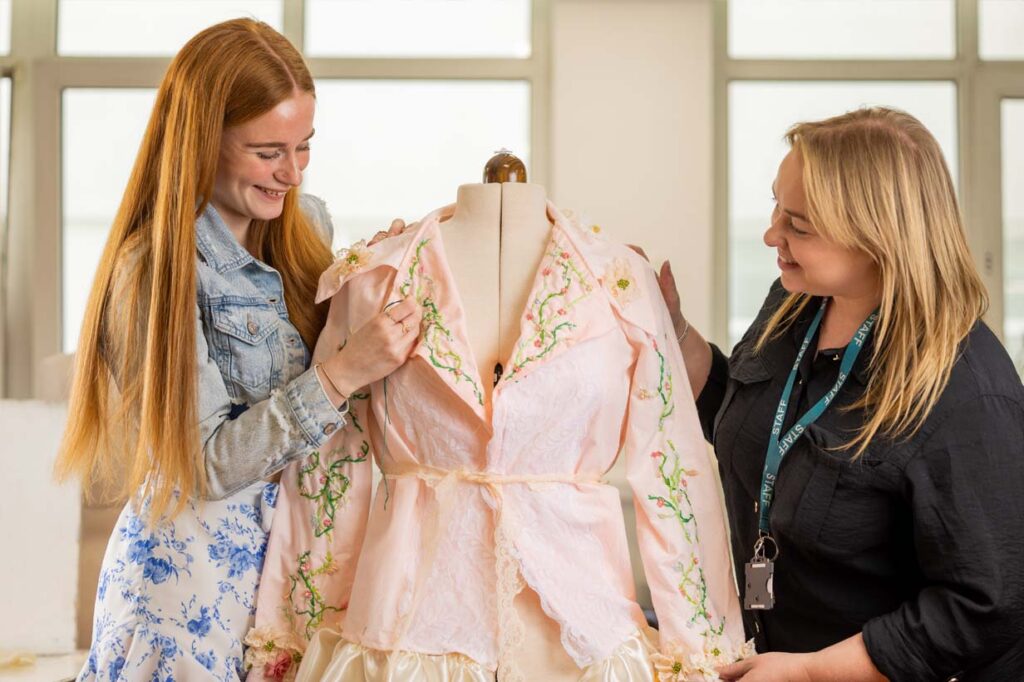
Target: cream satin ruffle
[332,659]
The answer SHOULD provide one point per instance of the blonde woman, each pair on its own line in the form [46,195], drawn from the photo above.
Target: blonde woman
[192,386]
[894,511]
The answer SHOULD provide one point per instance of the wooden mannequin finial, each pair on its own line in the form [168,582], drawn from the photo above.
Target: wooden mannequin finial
[504,166]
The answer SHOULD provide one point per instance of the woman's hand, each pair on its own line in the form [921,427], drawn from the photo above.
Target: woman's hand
[771,667]
[376,349]
[845,661]
[397,228]
[696,351]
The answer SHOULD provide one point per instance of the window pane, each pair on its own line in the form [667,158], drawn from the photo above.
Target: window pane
[1013,230]
[147,27]
[5,148]
[841,29]
[5,26]
[1001,29]
[418,28]
[387,149]
[759,115]
[102,130]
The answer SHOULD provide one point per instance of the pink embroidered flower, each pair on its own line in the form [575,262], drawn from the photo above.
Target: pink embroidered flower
[561,311]
[307,594]
[546,271]
[529,316]
[277,668]
[661,502]
[656,454]
[327,522]
[564,255]
[323,479]
[537,343]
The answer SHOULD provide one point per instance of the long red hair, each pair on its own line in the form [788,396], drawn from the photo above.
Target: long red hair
[141,430]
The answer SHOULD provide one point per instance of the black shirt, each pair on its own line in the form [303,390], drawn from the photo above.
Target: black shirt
[919,543]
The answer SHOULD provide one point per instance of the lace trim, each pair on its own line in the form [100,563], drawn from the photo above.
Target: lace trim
[510,581]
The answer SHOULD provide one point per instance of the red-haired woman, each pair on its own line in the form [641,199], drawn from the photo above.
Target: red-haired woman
[192,386]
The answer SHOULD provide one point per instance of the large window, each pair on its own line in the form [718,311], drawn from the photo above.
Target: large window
[93,28]
[421,28]
[756,147]
[1001,24]
[1013,228]
[841,29]
[101,131]
[387,149]
[396,133]
[5,26]
[947,62]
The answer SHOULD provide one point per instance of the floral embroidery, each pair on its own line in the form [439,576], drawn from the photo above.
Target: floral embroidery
[692,585]
[677,666]
[548,312]
[276,651]
[668,406]
[352,259]
[306,598]
[437,338]
[326,485]
[620,281]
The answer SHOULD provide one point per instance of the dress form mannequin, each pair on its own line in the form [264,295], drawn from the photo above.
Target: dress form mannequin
[494,243]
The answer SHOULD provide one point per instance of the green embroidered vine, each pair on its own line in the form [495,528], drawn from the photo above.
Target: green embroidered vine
[547,315]
[436,336]
[333,484]
[664,387]
[312,605]
[692,585]
[327,485]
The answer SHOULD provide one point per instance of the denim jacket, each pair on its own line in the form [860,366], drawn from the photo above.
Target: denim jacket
[260,406]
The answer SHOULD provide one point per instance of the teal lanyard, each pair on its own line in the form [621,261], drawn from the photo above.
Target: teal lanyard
[778,447]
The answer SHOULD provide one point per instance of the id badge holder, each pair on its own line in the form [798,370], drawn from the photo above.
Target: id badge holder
[759,593]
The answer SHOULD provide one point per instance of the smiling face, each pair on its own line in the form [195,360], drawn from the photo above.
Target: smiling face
[260,160]
[809,263]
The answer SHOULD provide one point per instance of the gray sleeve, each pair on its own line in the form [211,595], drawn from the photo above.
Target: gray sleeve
[242,448]
[315,209]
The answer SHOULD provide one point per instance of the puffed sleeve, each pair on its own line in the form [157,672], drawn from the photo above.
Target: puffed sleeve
[318,528]
[681,525]
[964,493]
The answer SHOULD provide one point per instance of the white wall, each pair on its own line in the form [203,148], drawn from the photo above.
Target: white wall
[632,129]
[39,524]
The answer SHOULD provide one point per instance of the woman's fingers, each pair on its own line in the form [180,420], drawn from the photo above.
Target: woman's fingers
[397,227]
[639,250]
[667,284]
[401,310]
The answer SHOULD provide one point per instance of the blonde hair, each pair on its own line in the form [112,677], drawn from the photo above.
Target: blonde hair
[876,182]
[142,431]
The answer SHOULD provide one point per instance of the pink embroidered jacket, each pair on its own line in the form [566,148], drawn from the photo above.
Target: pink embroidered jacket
[476,496]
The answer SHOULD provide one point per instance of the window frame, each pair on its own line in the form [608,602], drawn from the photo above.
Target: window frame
[980,86]
[31,308]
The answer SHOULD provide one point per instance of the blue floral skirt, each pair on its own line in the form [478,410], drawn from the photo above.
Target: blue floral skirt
[175,602]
